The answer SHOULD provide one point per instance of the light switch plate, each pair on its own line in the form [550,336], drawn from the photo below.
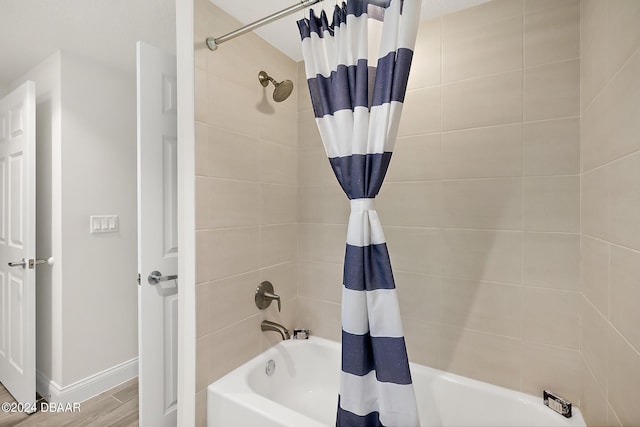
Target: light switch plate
[104,224]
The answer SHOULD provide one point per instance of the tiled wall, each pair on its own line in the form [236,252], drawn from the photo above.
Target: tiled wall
[481,205]
[246,189]
[610,143]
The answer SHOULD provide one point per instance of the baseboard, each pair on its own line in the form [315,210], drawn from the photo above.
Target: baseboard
[87,387]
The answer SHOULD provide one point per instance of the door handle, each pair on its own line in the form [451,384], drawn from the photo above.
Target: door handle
[31,263]
[22,263]
[156,277]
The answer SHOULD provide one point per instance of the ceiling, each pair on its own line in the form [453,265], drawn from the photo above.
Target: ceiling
[283,33]
[102,30]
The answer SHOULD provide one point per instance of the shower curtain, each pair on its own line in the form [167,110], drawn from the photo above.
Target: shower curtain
[357,106]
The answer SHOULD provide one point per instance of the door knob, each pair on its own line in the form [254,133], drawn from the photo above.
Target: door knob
[156,277]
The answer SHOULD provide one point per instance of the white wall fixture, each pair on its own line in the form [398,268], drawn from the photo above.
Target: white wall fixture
[104,224]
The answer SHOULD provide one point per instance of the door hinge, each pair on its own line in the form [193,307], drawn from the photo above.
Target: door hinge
[138,279]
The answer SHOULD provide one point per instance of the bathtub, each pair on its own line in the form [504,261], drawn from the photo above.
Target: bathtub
[302,391]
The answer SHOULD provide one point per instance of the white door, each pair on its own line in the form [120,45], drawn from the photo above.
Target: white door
[18,243]
[157,237]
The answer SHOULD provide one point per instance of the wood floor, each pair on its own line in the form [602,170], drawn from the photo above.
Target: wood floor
[115,407]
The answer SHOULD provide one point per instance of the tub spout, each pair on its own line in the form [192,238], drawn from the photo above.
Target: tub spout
[268,325]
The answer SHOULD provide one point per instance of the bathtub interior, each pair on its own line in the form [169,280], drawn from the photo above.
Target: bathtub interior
[303,388]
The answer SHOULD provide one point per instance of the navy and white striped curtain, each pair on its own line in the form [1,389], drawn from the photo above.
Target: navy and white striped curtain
[357,106]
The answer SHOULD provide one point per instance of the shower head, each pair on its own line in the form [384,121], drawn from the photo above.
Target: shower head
[282,90]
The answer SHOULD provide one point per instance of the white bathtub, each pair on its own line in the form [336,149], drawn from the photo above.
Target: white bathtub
[303,392]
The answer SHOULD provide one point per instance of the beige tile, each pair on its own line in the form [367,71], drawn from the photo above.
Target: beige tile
[201,408]
[202,149]
[551,368]
[322,242]
[624,201]
[320,281]
[225,99]
[202,19]
[278,204]
[278,244]
[233,156]
[233,251]
[308,134]
[552,147]
[552,204]
[552,260]
[482,306]
[283,278]
[595,272]
[483,152]
[201,104]
[418,295]
[486,357]
[203,326]
[552,91]
[421,112]
[481,16]
[231,300]
[533,6]
[322,318]
[237,62]
[593,48]
[624,379]
[493,256]
[623,109]
[203,202]
[304,99]
[593,342]
[414,250]
[625,293]
[202,363]
[551,317]
[483,101]
[623,32]
[233,203]
[612,418]
[594,200]
[426,64]
[494,204]
[481,50]
[552,34]
[242,340]
[325,204]
[411,204]
[594,133]
[593,400]
[203,255]
[415,158]
[278,163]
[279,123]
[423,342]
[314,168]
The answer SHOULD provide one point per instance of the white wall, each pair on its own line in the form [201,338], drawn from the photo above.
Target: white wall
[87,308]
[99,292]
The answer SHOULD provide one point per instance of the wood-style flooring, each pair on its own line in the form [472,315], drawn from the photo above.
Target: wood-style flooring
[115,407]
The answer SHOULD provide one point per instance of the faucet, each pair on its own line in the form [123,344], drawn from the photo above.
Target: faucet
[264,295]
[268,325]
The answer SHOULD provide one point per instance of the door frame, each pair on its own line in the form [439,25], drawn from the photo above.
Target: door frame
[185,56]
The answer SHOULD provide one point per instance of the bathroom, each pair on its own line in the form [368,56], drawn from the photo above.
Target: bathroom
[509,206]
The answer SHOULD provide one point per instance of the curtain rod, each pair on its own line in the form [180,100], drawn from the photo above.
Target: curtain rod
[214,42]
